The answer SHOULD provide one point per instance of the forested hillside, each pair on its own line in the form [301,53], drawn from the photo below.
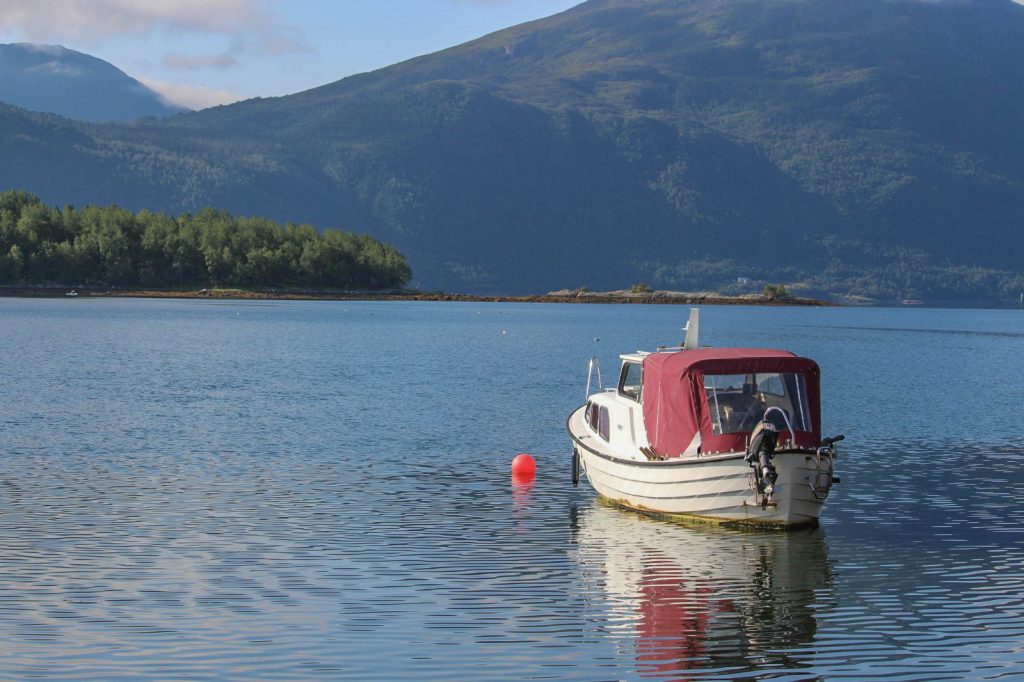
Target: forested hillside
[113,247]
[54,79]
[860,147]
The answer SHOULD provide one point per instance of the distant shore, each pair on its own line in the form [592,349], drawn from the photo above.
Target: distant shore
[563,296]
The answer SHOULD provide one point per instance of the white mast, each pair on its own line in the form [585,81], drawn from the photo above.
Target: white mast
[692,330]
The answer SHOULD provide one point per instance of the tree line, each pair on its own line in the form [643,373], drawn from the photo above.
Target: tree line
[109,246]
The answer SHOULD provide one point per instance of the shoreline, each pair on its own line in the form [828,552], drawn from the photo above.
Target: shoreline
[618,297]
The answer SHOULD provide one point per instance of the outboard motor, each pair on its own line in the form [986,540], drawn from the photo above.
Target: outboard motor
[760,453]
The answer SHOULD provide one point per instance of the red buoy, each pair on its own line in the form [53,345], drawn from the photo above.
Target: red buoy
[523,466]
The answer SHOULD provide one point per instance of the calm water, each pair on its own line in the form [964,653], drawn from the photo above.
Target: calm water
[207,490]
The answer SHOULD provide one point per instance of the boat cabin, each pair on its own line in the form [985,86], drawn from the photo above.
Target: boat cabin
[616,415]
[707,401]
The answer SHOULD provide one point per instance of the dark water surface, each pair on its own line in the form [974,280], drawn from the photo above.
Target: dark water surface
[209,490]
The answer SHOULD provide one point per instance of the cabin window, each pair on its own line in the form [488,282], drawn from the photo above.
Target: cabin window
[737,402]
[597,418]
[631,380]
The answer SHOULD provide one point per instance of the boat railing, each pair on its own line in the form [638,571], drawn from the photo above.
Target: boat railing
[785,418]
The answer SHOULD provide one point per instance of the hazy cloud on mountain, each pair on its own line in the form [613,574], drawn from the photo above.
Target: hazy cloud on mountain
[38,19]
[249,25]
[191,96]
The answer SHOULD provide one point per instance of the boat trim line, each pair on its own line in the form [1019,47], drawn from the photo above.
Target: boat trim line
[669,463]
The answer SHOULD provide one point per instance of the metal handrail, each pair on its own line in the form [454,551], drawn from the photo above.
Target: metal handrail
[785,418]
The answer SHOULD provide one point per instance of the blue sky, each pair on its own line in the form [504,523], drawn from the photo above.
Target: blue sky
[205,52]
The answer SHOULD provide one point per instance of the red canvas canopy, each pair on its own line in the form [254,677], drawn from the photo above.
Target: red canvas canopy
[675,404]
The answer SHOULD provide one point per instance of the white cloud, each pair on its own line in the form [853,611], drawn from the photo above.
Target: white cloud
[176,60]
[39,19]
[248,24]
[58,69]
[51,50]
[284,42]
[191,96]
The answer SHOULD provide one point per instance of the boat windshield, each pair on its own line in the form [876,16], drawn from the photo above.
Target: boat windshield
[737,402]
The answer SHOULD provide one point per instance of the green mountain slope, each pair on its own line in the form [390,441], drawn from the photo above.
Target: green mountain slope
[55,79]
[861,146]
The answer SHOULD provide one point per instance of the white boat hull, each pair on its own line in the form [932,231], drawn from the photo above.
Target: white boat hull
[716,488]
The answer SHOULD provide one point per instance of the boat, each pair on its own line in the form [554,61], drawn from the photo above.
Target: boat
[71,293]
[725,435]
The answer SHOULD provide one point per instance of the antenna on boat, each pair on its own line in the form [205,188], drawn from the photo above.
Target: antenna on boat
[692,330]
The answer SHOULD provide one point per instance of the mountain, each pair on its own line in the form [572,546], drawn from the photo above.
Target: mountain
[55,79]
[856,147]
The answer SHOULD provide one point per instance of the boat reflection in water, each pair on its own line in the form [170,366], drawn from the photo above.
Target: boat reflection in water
[696,600]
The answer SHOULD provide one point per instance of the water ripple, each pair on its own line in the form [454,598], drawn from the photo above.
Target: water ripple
[188,494]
